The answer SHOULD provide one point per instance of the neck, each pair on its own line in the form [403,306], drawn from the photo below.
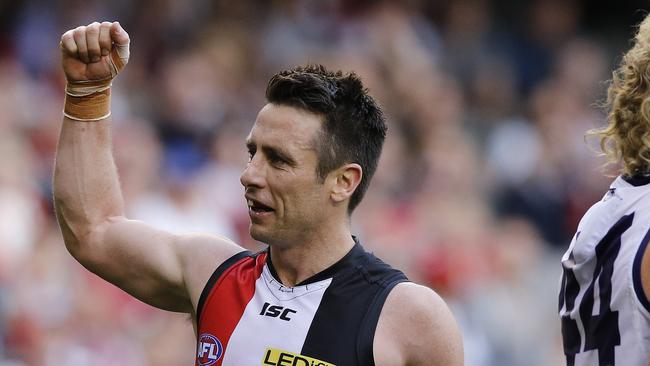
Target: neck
[296,263]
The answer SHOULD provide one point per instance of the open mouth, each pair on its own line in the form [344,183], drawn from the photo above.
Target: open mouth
[258,207]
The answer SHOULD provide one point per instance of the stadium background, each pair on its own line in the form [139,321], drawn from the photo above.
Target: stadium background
[484,174]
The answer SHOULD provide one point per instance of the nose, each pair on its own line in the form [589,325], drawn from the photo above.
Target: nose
[253,174]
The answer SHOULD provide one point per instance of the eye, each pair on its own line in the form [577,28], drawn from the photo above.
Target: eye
[251,153]
[275,159]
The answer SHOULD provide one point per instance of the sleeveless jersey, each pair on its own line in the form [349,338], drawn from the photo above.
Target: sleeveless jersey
[245,316]
[604,311]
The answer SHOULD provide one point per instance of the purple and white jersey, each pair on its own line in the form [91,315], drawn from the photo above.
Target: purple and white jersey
[604,311]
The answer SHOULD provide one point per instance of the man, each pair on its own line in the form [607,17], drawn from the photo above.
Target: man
[315,297]
[603,303]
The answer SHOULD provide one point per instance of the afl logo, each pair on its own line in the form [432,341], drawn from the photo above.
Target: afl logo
[209,350]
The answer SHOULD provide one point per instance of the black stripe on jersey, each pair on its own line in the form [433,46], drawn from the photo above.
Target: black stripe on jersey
[341,264]
[348,308]
[214,277]
[636,273]
[637,180]
[569,278]
[366,338]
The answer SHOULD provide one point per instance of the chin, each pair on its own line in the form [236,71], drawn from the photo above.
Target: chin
[266,236]
[258,234]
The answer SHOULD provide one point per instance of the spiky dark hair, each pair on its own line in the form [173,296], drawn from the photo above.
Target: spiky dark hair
[354,126]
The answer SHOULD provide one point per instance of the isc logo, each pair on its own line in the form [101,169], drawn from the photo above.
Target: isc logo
[275,311]
[209,350]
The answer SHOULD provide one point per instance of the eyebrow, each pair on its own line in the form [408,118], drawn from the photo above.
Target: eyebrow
[272,152]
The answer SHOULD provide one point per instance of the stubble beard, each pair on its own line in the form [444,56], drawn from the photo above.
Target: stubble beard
[273,236]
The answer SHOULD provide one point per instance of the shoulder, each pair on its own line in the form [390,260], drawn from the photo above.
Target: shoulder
[200,256]
[419,328]
[208,245]
[378,272]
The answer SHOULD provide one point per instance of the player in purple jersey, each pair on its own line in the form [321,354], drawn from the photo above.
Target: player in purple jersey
[604,296]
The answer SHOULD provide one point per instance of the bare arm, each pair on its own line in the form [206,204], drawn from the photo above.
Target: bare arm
[416,328]
[164,270]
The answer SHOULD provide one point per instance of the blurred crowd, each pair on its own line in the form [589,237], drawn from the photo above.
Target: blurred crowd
[484,176]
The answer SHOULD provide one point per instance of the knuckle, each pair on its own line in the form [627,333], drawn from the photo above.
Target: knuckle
[66,36]
[92,29]
[105,31]
[78,32]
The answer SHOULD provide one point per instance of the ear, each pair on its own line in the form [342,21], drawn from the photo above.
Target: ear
[345,181]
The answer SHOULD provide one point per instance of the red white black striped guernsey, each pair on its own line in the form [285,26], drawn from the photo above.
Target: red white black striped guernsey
[246,316]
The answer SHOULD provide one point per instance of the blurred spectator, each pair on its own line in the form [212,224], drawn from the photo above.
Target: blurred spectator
[484,174]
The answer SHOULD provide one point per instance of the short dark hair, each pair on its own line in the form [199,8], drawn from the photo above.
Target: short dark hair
[354,126]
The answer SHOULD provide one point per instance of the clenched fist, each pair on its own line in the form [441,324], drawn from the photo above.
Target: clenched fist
[94,52]
[91,57]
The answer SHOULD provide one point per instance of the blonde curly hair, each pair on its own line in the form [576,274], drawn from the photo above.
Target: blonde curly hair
[626,137]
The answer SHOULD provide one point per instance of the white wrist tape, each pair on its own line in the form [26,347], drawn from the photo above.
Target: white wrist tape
[85,88]
[119,58]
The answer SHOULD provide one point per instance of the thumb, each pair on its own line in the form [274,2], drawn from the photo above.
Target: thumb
[119,55]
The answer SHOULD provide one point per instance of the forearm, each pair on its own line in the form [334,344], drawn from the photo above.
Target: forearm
[139,259]
[86,185]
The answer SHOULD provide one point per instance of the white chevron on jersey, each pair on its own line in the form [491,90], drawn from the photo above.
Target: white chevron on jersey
[255,333]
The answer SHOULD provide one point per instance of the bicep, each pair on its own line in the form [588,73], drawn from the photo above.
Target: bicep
[153,265]
[421,326]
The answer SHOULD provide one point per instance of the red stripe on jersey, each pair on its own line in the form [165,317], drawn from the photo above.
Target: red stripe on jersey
[228,298]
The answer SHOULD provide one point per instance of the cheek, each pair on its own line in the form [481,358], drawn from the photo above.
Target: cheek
[303,200]
[298,194]
[313,200]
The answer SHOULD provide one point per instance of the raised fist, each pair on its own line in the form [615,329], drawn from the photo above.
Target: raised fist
[94,52]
